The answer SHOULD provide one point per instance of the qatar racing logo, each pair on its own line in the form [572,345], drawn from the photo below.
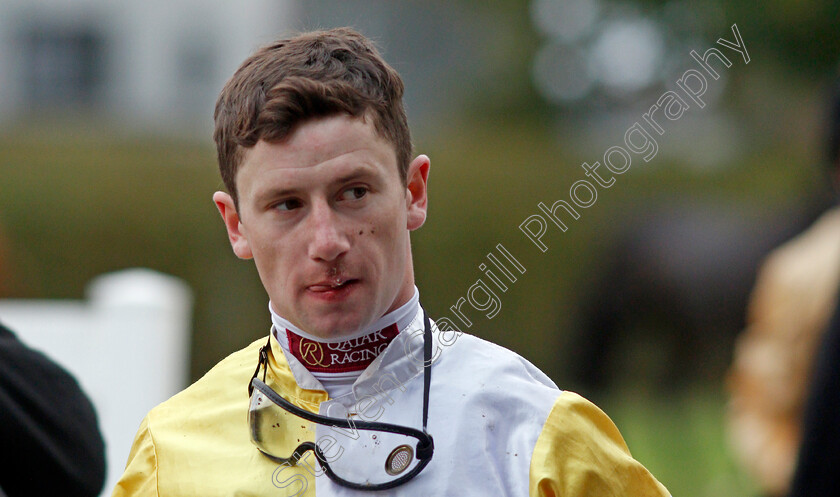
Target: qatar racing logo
[312,353]
[337,357]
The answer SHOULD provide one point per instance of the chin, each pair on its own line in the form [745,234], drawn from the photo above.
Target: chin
[338,328]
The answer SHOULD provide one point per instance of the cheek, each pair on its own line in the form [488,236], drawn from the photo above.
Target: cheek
[272,259]
[382,240]
[268,252]
[383,237]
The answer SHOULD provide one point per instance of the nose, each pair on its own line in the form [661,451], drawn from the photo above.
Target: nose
[327,240]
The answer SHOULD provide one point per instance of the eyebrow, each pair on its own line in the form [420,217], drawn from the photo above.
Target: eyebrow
[274,193]
[359,171]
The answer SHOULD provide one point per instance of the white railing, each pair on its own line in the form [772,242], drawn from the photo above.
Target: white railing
[127,344]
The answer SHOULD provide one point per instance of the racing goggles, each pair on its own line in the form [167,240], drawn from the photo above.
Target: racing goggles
[378,457]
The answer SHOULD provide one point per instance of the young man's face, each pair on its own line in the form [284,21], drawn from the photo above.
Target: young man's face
[326,219]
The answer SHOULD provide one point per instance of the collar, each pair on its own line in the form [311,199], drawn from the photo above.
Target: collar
[334,365]
[337,363]
[399,363]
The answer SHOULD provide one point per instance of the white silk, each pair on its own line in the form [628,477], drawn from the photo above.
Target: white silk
[487,408]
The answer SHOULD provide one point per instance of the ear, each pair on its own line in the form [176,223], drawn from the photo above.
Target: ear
[238,240]
[416,200]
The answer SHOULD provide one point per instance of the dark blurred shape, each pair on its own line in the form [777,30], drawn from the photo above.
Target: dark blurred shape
[51,444]
[676,280]
[819,455]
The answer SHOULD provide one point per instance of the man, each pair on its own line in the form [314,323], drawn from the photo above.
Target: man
[355,389]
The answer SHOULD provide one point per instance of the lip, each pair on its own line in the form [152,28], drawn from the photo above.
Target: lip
[326,289]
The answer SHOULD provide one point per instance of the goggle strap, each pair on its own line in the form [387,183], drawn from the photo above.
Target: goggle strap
[263,361]
[427,367]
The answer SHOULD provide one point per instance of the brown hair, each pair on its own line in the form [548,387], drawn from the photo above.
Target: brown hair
[316,74]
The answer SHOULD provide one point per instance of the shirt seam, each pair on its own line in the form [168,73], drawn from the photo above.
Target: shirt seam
[154,456]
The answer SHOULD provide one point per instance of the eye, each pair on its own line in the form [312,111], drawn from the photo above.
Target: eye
[288,205]
[354,193]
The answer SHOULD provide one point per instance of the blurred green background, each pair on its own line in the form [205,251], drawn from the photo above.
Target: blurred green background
[84,192]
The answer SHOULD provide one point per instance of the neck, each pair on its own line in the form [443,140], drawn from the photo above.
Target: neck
[349,353]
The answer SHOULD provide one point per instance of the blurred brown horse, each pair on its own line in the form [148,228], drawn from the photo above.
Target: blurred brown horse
[672,291]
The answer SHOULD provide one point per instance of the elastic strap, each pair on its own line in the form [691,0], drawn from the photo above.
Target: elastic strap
[427,366]
[262,362]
